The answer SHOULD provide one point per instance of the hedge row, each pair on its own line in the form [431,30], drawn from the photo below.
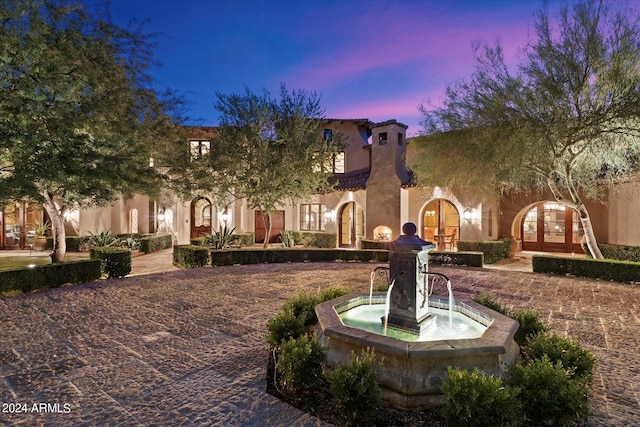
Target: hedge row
[375,244]
[494,250]
[49,276]
[115,262]
[155,242]
[619,252]
[618,271]
[239,239]
[314,239]
[469,259]
[260,256]
[190,256]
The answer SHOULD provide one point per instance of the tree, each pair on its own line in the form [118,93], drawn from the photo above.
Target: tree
[267,150]
[78,115]
[567,118]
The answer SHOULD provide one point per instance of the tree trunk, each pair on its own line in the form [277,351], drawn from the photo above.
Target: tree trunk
[57,229]
[266,218]
[589,235]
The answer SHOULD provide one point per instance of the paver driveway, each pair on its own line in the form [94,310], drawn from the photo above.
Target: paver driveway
[188,347]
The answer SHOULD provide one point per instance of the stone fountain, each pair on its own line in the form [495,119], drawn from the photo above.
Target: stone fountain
[411,370]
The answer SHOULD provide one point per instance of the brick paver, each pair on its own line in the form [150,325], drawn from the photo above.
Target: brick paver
[188,348]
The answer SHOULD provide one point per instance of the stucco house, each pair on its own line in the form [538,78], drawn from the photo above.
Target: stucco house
[375,194]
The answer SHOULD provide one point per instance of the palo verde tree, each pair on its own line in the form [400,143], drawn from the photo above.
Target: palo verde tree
[78,115]
[269,150]
[565,118]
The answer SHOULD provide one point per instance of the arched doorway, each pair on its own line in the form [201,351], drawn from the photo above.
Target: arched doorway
[19,220]
[551,227]
[441,223]
[351,225]
[201,210]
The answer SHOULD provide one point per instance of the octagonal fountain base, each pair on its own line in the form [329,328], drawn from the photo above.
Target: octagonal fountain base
[411,372]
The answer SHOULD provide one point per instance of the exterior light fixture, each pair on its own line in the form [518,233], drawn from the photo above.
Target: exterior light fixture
[161,215]
[328,215]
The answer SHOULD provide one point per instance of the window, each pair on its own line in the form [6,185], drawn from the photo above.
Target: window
[199,148]
[328,135]
[382,138]
[400,138]
[338,162]
[312,217]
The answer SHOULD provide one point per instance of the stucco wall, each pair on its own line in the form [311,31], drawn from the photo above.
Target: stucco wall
[624,214]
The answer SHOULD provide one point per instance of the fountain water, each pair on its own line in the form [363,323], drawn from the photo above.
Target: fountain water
[416,355]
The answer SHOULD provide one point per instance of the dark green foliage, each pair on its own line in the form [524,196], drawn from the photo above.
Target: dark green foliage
[190,256]
[375,244]
[471,259]
[488,301]
[283,327]
[559,348]
[493,250]
[299,363]
[618,271]
[286,237]
[618,252]
[355,388]
[74,243]
[549,396]
[260,256]
[220,239]
[302,306]
[198,241]
[115,261]
[49,276]
[475,399]
[155,242]
[332,293]
[245,239]
[313,239]
[530,325]
[104,239]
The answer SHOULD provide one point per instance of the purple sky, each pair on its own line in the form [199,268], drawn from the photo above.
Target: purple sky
[366,58]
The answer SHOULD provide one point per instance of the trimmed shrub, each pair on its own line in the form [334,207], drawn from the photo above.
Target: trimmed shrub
[488,301]
[375,244]
[313,239]
[563,349]
[618,252]
[618,271]
[299,363]
[283,327]
[115,261]
[475,399]
[198,241]
[303,307]
[332,293]
[549,396]
[530,325]
[470,259]
[245,239]
[261,256]
[74,243]
[155,242]
[355,388]
[49,276]
[493,250]
[190,256]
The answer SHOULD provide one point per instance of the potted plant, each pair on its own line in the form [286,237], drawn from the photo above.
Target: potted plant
[40,230]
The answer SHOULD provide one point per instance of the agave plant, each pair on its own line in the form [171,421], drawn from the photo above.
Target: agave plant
[286,237]
[221,239]
[103,239]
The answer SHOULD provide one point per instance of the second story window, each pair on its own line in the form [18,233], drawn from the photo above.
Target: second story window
[328,135]
[199,148]
[339,162]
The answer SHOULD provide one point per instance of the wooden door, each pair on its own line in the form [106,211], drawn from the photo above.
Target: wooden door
[277,226]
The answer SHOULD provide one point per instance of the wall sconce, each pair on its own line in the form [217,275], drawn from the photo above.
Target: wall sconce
[470,216]
[161,215]
[225,216]
[328,215]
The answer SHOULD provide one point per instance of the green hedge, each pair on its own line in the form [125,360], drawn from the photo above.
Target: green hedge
[618,271]
[49,276]
[619,252]
[115,261]
[260,256]
[245,239]
[314,239]
[469,259]
[494,250]
[190,256]
[155,242]
[198,241]
[375,244]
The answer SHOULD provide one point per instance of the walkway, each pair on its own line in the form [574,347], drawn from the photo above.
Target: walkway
[188,347]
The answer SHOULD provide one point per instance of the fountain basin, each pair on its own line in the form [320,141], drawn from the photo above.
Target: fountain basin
[411,372]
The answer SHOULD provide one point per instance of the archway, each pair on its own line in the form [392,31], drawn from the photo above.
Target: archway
[200,217]
[551,227]
[441,223]
[351,225]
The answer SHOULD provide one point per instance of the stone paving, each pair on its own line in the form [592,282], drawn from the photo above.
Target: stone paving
[187,348]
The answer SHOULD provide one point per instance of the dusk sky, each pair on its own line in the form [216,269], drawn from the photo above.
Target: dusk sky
[369,59]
